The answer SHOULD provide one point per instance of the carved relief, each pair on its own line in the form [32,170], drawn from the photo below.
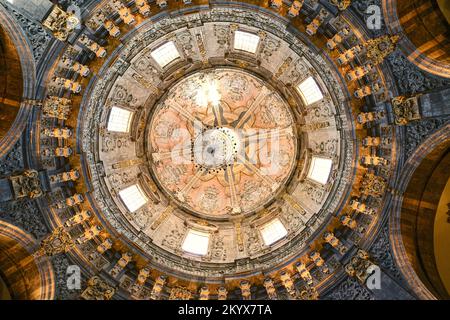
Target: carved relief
[350,289]
[144,66]
[328,147]
[142,217]
[270,46]
[25,214]
[218,249]
[13,161]
[253,243]
[359,265]
[59,241]
[405,109]
[293,219]
[61,23]
[39,38]
[121,178]
[173,238]
[98,289]
[185,40]
[27,184]
[180,293]
[222,33]
[315,192]
[373,185]
[111,142]
[122,96]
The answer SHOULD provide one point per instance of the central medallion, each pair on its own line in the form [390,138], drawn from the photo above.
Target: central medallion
[222,143]
[215,149]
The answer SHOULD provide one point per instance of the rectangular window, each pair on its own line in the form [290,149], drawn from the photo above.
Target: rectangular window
[119,120]
[133,197]
[196,242]
[310,91]
[273,231]
[246,41]
[165,54]
[320,169]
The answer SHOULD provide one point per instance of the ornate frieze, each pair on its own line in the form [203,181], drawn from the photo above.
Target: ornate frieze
[55,107]
[270,289]
[158,287]
[373,185]
[381,253]
[61,23]
[379,48]
[417,131]
[246,290]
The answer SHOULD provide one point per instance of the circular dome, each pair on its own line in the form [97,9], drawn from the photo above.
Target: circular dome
[214,155]
[222,142]
[233,150]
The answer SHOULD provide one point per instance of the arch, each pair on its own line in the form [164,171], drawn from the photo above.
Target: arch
[11,83]
[17,81]
[25,278]
[412,221]
[425,30]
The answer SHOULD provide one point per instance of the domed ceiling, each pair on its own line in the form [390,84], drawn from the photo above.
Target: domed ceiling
[215,150]
[218,140]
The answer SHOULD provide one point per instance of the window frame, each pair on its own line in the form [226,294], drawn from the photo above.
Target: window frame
[130,119]
[126,202]
[304,95]
[312,164]
[268,235]
[247,35]
[197,233]
[158,60]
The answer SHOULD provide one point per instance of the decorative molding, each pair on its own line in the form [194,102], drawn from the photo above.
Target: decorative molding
[418,131]
[13,161]
[349,289]
[26,215]
[409,78]
[38,37]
